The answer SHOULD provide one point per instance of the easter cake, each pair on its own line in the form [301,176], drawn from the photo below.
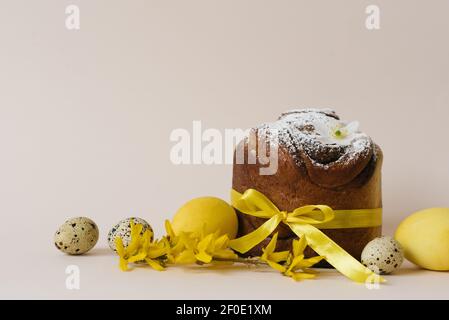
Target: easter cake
[321,160]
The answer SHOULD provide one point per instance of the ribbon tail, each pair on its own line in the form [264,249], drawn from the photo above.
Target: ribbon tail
[250,240]
[334,254]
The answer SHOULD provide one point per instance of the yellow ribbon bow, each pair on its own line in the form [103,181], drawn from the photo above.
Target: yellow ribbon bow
[301,221]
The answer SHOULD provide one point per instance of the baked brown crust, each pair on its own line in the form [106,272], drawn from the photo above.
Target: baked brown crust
[348,181]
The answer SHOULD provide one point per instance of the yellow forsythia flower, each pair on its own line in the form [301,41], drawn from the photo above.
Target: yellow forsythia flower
[273,258]
[214,246]
[294,266]
[140,249]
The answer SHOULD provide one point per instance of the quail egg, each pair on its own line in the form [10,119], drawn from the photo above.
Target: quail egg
[123,230]
[76,236]
[383,255]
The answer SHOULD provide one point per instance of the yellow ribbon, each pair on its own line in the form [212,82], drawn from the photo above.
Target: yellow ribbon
[301,221]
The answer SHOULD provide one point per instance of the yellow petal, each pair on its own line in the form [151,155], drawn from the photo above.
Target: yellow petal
[146,239]
[147,235]
[272,245]
[134,228]
[178,248]
[156,252]
[222,242]
[169,230]
[123,264]
[171,259]
[119,247]
[165,241]
[154,264]
[306,263]
[133,246]
[276,266]
[299,246]
[138,257]
[204,257]
[311,271]
[295,262]
[187,240]
[186,257]
[279,256]
[204,244]
[135,243]
[225,254]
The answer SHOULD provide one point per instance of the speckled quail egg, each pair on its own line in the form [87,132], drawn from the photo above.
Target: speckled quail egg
[383,255]
[76,236]
[123,230]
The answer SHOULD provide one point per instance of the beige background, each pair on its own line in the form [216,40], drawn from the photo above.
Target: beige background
[85,118]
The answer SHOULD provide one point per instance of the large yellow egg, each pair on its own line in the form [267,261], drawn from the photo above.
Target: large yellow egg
[424,237]
[206,213]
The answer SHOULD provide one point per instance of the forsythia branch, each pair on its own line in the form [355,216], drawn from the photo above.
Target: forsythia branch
[191,248]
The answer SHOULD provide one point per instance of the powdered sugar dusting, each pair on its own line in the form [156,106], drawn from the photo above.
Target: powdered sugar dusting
[301,132]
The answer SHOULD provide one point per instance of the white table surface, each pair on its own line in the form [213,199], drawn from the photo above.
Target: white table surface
[42,275]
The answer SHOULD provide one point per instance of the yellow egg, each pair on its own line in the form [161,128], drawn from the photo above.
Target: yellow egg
[207,213]
[424,236]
